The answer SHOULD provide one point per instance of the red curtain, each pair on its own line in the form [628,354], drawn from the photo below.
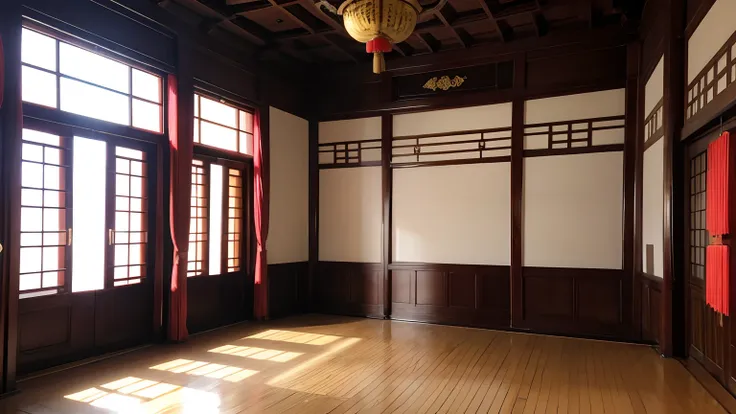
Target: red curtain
[179,201]
[260,218]
[717,265]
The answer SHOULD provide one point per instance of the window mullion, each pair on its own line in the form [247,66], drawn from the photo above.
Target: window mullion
[206,245]
[110,191]
[68,154]
[224,223]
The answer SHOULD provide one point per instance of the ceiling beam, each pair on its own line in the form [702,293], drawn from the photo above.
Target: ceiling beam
[447,16]
[429,41]
[505,32]
[541,25]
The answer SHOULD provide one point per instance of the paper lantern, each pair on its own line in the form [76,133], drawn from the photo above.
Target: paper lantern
[379,24]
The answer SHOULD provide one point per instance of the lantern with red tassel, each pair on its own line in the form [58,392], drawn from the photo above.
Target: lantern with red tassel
[379,24]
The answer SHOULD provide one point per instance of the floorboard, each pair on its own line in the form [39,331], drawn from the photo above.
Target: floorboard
[329,364]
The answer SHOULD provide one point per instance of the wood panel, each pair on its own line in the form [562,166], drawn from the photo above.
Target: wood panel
[587,302]
[215,301]
[67,327]
[349,288]
[651,291]
[287,288]
[466,295]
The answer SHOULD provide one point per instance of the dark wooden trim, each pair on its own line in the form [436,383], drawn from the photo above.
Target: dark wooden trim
[674,65]
[355,165]
[715,108]
[578,150]
[387,130]
[12,124]
[516,291]
[630,156]
[703,9]
[487,160]
[313,210]
[350,288]
[653,139]
[288,288]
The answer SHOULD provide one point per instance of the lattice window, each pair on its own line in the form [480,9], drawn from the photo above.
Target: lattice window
[220,125]
[198,227]
[350,153]
[452,147]
[43,238]
[654,122]
[569,136]
[717,75]
[234,219]
[59,75]
[130,233]
[698,232]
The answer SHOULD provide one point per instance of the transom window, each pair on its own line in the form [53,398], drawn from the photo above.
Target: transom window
[216,223]
[59,75]
[219,125]
[98,242]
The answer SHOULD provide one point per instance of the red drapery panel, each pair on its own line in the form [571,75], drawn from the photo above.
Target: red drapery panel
[179,201]
[2,72]
[717,186]
[716,278]
[717,266]
[260,219]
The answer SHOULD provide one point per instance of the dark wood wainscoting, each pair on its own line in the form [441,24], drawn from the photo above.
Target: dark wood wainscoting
[651,292]
[288,288]
[216,301]
[587,302]
[348,288]
[67,327]
[467,295]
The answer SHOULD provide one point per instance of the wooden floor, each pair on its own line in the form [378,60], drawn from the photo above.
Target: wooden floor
[324,364]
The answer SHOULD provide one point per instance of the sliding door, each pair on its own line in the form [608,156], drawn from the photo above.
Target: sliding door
[86,271]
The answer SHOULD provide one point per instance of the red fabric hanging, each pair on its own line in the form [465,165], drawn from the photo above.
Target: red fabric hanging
[260,219]
[2,72]
[717,265]
[179,202]
[716,278]
[717,186]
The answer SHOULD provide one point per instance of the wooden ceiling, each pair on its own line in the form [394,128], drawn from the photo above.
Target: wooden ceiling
[304,31]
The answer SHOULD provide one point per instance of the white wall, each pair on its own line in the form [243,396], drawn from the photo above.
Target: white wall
[573,210]
[451,120]
[653,206]
[360,129]
[654,89]
[453,214]
[350,215]
[710,35]
[288,235]
[580,106]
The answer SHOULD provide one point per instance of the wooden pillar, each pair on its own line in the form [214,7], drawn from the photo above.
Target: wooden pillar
[313,210]
[10,165]
[631,315]
[387,186]
[517,182]
[674,80]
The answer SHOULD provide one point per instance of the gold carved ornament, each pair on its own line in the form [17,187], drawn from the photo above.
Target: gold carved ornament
[444,83]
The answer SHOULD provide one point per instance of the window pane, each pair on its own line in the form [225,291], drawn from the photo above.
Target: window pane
[93,68]
[218,136]
[216,219]
[246,143]
[146,86]
[39,87]
[38,50]
[198,221]
[246,121]
[89,234]
[235,213]
[218,112]
[146,115]
[83,99]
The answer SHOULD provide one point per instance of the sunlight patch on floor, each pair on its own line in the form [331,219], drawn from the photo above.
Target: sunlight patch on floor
[256,353]
[131,395]
[295,337]
[205,369]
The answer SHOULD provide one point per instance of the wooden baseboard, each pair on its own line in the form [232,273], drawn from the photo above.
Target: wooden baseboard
[711,384]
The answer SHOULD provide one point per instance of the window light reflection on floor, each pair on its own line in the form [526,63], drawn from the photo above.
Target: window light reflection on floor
[295,337]
[205,369]
[133,395]
[256,353]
